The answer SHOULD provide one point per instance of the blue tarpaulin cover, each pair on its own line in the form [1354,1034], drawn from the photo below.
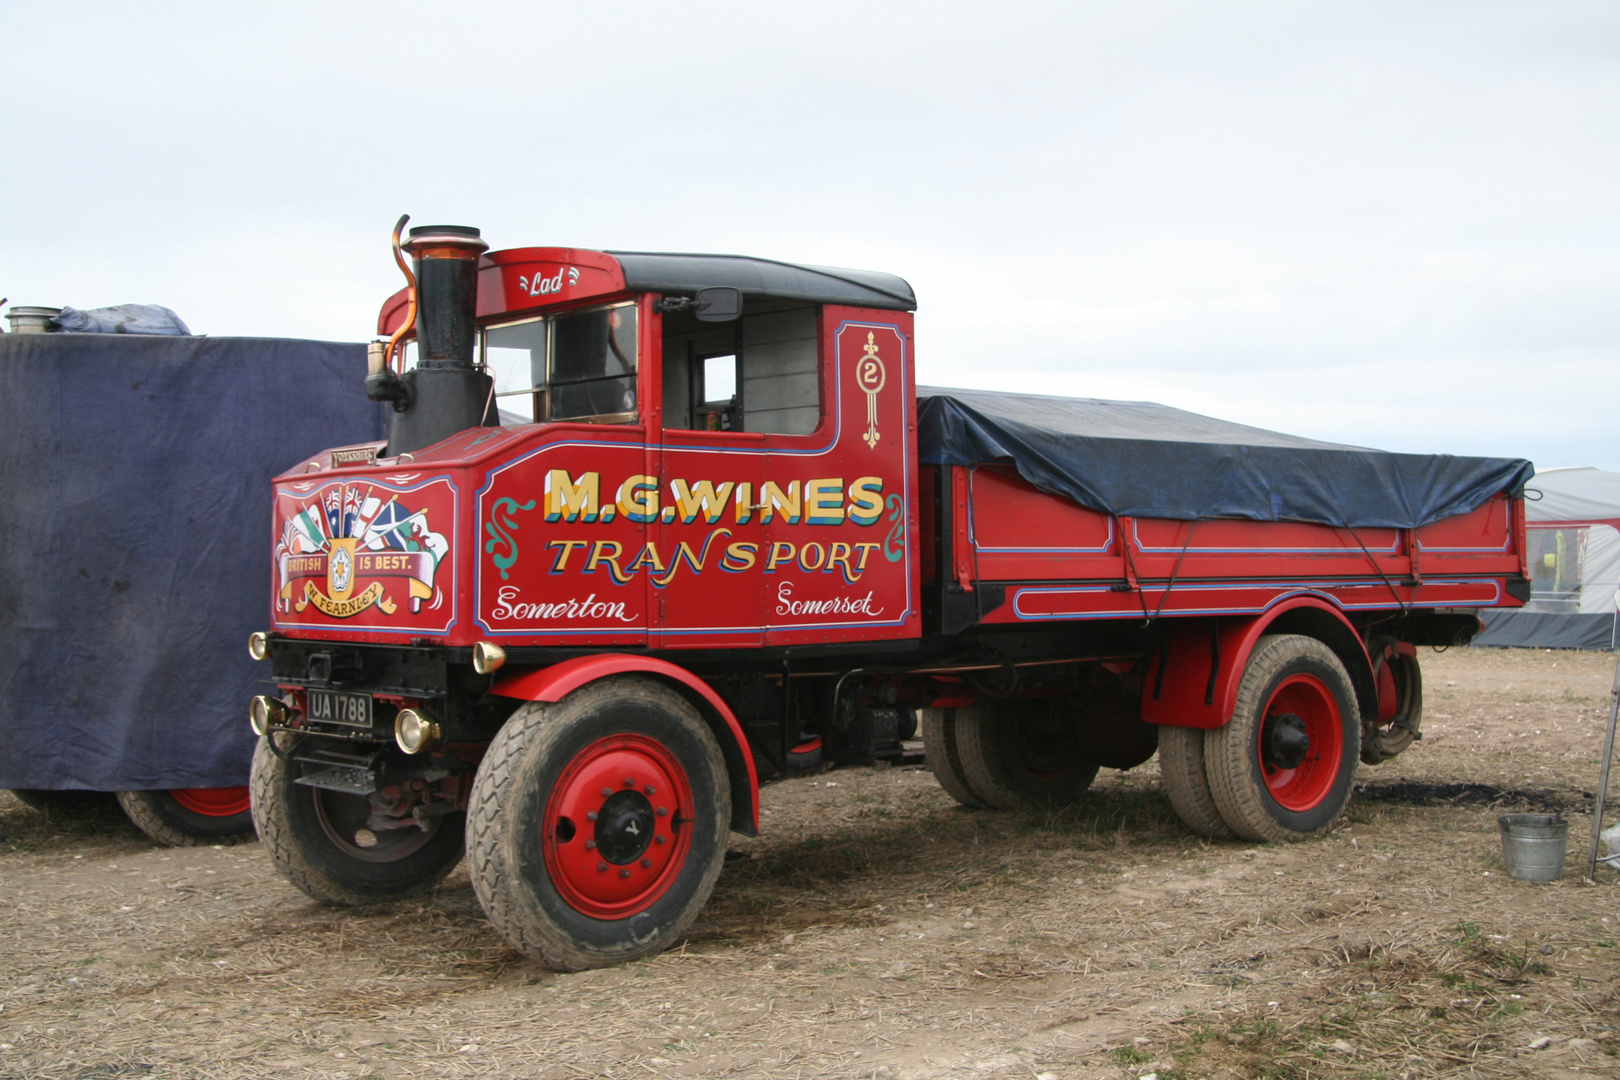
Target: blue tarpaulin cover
[1138,459]
[135,544]
[122,319]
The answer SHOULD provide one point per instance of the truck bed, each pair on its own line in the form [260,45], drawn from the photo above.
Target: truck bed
[1053,509]
[1057,560]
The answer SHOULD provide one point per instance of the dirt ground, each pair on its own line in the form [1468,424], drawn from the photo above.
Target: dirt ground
[875,929]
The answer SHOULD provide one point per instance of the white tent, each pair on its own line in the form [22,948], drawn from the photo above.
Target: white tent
[1573,519]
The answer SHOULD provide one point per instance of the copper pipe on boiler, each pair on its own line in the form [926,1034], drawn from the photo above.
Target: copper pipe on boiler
[409,322]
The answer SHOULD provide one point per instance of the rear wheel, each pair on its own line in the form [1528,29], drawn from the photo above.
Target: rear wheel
[1283,767]
[332,844]
[943,756]
[1019,752]
[1181,772]
[598,823]
[191,817]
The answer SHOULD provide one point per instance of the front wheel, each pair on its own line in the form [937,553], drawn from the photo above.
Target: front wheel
[1283,767]
[334,845]
[597,825]
[191,817]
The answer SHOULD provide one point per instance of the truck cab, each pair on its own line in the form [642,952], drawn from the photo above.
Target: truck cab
[658,478]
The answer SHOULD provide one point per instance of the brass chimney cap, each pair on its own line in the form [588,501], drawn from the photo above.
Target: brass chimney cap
[445,242]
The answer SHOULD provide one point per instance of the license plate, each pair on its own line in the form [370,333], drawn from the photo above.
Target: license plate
[332,707]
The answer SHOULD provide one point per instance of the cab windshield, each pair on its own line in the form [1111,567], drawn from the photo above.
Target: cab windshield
[576,366]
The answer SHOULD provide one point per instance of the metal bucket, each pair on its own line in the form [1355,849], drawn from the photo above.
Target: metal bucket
[32,320]
[1533,845]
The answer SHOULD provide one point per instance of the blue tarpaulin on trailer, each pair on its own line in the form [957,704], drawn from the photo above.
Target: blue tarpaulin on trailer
[1138,459]
[135,544]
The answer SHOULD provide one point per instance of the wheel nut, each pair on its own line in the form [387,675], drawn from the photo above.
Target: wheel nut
[660,840]
[590,845]
[649,790]
[646,864]
[624,873]
[629,781]
[606,792]
[662,811]
[601,868]
[590,816]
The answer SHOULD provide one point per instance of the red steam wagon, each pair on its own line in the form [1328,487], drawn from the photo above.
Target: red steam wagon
[649,526]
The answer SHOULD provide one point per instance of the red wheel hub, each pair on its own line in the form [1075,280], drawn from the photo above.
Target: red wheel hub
[213,801]
[616,826]
[1301,742]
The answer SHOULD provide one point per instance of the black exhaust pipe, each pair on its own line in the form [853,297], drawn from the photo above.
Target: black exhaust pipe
[444,393]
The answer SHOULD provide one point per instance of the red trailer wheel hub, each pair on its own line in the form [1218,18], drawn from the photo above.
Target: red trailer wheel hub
[213,801]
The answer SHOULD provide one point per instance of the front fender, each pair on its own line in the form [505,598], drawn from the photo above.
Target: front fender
[559,680]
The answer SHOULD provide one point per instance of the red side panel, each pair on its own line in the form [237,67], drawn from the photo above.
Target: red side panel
[1063,561]
[1461,544]
[564,552]
[1016,532]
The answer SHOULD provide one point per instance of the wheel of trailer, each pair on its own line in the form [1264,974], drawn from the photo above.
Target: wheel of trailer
[944,758]
[191,817]
[1018,752]
[1186,785]
[598,823]
[1283,767]
[322,841]
[1399,679]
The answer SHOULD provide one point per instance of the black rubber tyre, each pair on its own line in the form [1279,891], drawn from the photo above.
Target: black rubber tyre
[1382,741]
[162,817]
[1017,753]
[943,757]
[1181,772]
[1283,768]
[61,802]
[632,756]
[310,835]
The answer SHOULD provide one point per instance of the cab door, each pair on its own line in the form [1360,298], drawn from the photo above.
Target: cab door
[706,592]
[840,556]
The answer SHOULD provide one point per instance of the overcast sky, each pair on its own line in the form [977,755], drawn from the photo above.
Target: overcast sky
[1393,224]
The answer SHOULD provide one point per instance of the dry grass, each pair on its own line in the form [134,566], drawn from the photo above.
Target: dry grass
[875,929]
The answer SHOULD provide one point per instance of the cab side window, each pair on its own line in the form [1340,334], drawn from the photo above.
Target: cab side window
[760,373]
[580,365]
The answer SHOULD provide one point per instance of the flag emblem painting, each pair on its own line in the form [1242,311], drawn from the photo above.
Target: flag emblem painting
[870,376]
[365,547]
